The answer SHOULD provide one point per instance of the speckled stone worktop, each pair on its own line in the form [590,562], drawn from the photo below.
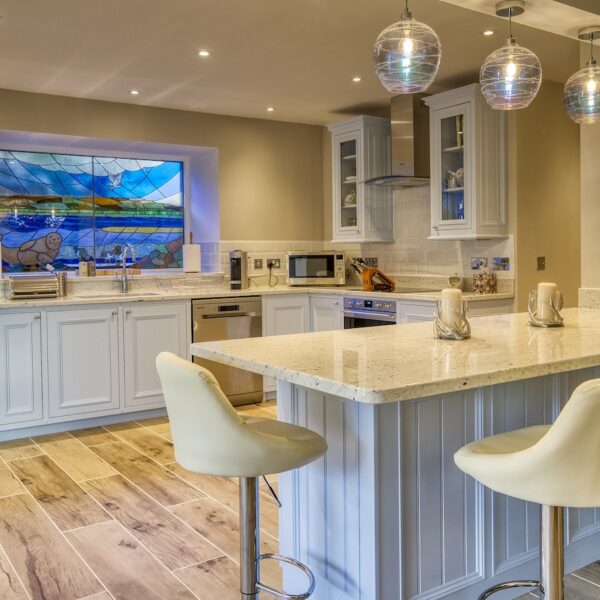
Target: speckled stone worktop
[108,295]
[401,362]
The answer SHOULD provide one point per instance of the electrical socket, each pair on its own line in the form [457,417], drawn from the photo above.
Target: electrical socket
[541,263]
[258,264]
[273,263]
[371,261]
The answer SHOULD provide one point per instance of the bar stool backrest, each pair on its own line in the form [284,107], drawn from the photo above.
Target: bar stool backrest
[208,434]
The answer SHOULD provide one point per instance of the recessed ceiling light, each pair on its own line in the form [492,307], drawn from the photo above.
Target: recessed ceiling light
[134,92]
[204,53]
[488,32]
[270,109]
[357,79]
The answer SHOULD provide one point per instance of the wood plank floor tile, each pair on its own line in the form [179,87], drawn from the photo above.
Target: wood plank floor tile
[149,443]
[590,573]
[94,436]
[227,492]
[220,526]
[10,586]
[217,578]
[72,456]
[578,589]
[9,484]
[100,596]
[165,487]
[126,568]
[159,425]
[167,538]
[16,449]
[64,501]
[46,564]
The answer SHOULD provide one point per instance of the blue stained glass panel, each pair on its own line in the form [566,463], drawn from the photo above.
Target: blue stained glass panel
[60,208]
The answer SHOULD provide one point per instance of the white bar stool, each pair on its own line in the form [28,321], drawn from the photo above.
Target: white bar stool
[553,465]
[211,438]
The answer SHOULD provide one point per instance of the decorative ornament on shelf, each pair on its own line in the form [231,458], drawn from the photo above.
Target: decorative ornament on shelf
[511,76]
[407,55]
[582,90]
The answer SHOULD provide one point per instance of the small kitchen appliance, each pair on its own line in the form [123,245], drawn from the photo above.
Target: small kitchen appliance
[238,269]
[326,267]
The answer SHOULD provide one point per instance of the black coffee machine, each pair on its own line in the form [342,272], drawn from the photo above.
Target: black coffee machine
[238,269]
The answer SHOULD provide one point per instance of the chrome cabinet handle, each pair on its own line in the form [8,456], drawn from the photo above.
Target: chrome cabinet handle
[36,317]
[128,312]
[114,313]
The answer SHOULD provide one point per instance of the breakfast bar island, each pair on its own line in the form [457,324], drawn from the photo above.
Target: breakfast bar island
[386,514]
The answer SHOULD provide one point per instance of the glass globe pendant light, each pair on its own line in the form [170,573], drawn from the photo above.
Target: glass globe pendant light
[511,76]
[582,90]
[407,55]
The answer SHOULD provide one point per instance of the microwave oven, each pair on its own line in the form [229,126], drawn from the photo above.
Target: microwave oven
[316,268]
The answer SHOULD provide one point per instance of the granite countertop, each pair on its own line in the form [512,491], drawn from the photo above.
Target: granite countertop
[402,362]
[107,296]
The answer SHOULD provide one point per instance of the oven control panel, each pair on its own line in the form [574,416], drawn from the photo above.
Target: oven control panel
[366,304]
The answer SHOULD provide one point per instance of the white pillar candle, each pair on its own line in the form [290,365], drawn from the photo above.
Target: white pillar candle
[451,306]
[544,301]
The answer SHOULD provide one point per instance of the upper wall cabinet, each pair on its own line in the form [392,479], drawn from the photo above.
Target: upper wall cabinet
[361,150]
[468,166]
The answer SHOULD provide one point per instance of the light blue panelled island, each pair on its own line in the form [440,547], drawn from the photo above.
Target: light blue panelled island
[385,514]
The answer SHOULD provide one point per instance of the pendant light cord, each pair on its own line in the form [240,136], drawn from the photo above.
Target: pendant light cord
[592,48]
[510,35]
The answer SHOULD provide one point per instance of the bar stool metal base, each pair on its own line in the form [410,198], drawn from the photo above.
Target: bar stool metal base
[552,546]
[250,584]
[510,585]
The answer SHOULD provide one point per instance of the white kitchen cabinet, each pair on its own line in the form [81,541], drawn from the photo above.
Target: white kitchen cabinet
[361,150]
[468,166]
[283,315]
[148,330]
[326,313]
[20,368]
[83,361]
[415,311]
[286,314]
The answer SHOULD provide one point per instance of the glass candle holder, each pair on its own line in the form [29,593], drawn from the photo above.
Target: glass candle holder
[459,329]
[545,312]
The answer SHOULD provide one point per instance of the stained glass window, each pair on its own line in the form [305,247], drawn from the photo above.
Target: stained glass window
[58,209]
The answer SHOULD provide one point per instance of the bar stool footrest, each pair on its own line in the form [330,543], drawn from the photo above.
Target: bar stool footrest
[508,585]
[296,564]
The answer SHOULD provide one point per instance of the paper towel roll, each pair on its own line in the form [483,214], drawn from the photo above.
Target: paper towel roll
[191,258]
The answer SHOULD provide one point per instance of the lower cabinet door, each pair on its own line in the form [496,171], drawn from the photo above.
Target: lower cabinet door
[149,330]
[20,368]
[83,361]
[326,313]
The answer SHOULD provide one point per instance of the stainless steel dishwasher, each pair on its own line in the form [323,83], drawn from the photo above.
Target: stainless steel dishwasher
[230,319]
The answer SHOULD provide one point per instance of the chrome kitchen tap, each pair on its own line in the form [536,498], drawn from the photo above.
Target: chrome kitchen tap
[124,279]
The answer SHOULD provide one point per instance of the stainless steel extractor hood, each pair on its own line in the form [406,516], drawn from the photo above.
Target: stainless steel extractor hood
[410,144]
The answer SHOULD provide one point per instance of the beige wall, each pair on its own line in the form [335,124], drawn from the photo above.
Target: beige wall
[270,173]
[547,195]
[590,206]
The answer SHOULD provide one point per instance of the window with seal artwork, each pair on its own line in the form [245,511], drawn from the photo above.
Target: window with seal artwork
[59,209]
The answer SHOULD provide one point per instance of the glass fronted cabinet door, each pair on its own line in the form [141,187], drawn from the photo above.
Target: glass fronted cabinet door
[451,183]
[347,177]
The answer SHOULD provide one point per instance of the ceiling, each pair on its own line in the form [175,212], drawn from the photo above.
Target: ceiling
[296,55]
[565,17]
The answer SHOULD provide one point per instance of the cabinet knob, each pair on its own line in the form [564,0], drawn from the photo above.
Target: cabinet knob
[114,313]
[128,312]
[37,317]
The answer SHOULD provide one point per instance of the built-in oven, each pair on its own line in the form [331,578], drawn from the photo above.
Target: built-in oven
[367,312]
[327,267]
